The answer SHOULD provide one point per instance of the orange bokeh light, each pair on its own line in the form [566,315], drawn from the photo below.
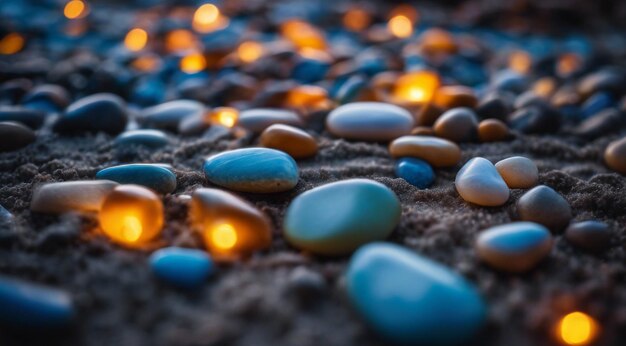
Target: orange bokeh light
[75,9]
[303,35]
[356,19]
[208,18]
[223,236]
[249,51]
[416,87]
[180,40]
[193,63]
[225,116]
[11,43]
[577,328]
[400,26]
[136,39]
[520,62]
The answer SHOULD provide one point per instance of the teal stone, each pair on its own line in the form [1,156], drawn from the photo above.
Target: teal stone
[147,138]
[257,170]
[158,177]
[369,121]
[187,268]
[26,305]
[337,218]
[410,299]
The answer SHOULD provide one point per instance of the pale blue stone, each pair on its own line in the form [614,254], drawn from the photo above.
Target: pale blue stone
[369,121]
[158,177]
[188,268]
[147,138]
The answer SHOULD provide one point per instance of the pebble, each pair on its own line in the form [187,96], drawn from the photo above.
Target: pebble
[544,206]
[148,138]
[416,172]
[457,125]
[605,122]
[518,172]
[27,305]
[289,139]
[29,117]
[47,98]
[535,119]
[14,136]
[514,247]
[369,121]
[257,170]
[455,96]
[63,197]
[594,236]
[494,106]
[187,268]
[438,152]
[258,119]
[154,176]
[604,80]
[596,103]
[492,130]
[96,113]
[479,182]
[168,115]
[615,156]
[369,211]
[412,300]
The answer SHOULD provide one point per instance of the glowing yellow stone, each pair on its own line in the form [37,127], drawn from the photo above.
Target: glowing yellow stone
[193,63]
[208,18]
[225,116]
[223,236]
[131,215]
[180,40]
[249,51]
[136,39]
[577,328]
[75,9]
[400,26]
[303,35]
[356,19]
[11,43]
[416,87]
[520,62]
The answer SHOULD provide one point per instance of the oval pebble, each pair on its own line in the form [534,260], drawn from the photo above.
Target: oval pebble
[95,113]
[258,170]
[411,300]
[515,247]
[535,119]
[416,172]
[605,122]
[258,119]
[457,125]
[289,139]
[29,117]
[63,197]
[147,138]
[14,136]
[369,121]
[615,156]
[438,152]
[369,211]
[454,96]
[590,235]
[154,176]
[492,130]
[168,115]
[188,268]
[47,98]
[479,182]
[518,172]
[544,206]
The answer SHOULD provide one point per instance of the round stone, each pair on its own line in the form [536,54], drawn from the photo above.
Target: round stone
[47,98]
[258,119]
[154,176]
[415,171]
[187,268]
[544,206]
[535,119]
[492,130]
[369,121]
[615,156]
[438,152]
[496,105]
[96,113]
[515,247]
[168,115]
[411,300]
[590,235]
[479,182]
[457,125]
[63,197]
[147,138]
[455,96]
[258,170]
[369,211]
[30,117]
[518,172]
[601,124]
[14,136]
[289,139]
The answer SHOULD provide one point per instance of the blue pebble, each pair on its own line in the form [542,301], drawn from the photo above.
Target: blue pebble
[182,267]
[350,89]
[410,299]
[310,70]
[148,138]
[596,103]
[416,172]
[157,177]
[26,305]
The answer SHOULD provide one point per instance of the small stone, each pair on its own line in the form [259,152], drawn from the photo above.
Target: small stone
[258,119]
[96,113]
[544,206]
[596,103]
[29,117]
[518,172]
[47,98]
[193,125]
[369,121]
[63,197]
[607,80]
[455,96]
[535,119]
[422,131]
[306,285]
[369,211]
[411,300]
[289,139]
[416,172]
[594,236]
[148,138]
[495,105]
[154,176]
[257,170]
[615,156]
[187,268]
[438,152]
[168,115]
[14,136]
[479,182]
[515,247]
[601,124]
[428,114]
[492,130]
[457,125]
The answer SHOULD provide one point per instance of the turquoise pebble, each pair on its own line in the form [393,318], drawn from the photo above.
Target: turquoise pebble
[410,299]
[168,115]
[259,170]
[369,121]
[337,218]
[33,306]
[416,172]
[147,138]
[157,177]
[181,267]
[96,113]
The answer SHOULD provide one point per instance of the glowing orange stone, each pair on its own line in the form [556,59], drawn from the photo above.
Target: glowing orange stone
[193,63]
[416,87]
[131,215]
[75,9]
[303,35]
[306,96]
[223,236]
[11,43]
[577,328]
[544,87]
[520,62]
[438,41]
[208,18]
[225,116]
[136,39]
[249,51]
[146,63]
[180,40]
[400,26]
[568,63]
[356,19]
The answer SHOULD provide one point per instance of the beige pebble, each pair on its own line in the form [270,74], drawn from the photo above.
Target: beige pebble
[63,197]
[289,139]
[615,156]
[492,130]
[458,125]
[479,182]
[438,152]
[518,172]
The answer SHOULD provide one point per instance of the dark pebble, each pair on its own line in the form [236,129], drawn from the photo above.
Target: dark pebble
[47,98]
[96,113]
[15,136]
[167,116]
[29,117]
[535,119]
[601,124]
[545,206]
[591,235]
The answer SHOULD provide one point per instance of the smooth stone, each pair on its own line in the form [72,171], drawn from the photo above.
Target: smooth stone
[544,206]
[605,122]
[596,103]
[422,131]
[63,197]
[29,117]
[258,170]
[47,98]
[96,113]
[494,105]
[438,152]
[410,299]
[369,121]
[479,182]
[492,130]
[594,236]
[168,115]
[289,139]
[27,305]
[509,81]
[535,119]
[258,119]
[428,114]
[607,80]
[415,171]
[14,136]
[368,211]
[455,96]
[153,176]
[188,268]
[193,126]
[615,156]
[518,172]
[514,247]
[148,138]
[457,125]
